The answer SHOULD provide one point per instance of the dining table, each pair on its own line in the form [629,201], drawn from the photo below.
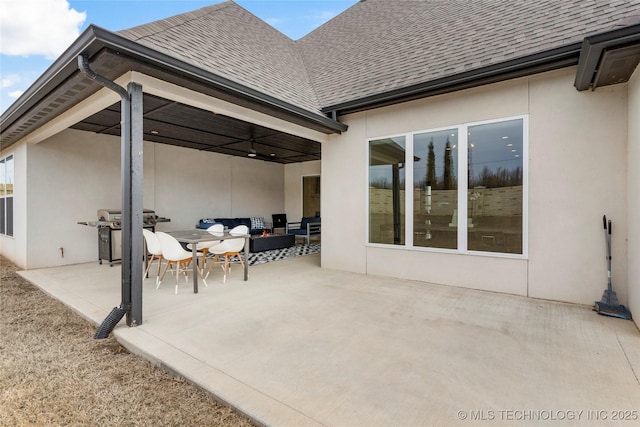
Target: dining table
[194,237]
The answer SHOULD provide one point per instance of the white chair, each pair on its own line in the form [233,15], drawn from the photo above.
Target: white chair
[203,247]
[154,248]
[228,248]
[173,252]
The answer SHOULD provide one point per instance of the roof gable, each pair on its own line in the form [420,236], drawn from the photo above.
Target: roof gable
[229,41]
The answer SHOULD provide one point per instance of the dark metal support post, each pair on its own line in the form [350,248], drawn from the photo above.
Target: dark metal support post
[132,173]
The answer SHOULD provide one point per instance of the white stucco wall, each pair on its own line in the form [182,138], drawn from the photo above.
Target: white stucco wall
[578,174]
[74,173]
[577,160]
[633,194]
[191,184]
[14,247]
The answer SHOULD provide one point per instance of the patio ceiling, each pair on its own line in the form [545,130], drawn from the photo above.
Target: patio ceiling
[173,123]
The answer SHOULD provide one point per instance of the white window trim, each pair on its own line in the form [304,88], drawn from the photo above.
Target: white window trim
[3,194]
[463,131]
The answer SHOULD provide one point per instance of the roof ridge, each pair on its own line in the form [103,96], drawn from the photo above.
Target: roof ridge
[196,14]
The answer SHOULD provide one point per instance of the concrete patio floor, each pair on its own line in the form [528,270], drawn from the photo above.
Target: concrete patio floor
[298,345]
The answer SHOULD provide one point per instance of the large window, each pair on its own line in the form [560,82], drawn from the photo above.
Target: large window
[386,191]
[468,192]
[494,196]
[435,189]
[6,196]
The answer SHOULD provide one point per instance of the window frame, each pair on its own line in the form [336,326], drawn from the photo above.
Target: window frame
[462,202]
[3,195]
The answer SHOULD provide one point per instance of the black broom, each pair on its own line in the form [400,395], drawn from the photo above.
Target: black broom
[609,304]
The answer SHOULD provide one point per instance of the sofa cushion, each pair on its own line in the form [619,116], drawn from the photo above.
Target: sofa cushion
[257,222]
[230,223]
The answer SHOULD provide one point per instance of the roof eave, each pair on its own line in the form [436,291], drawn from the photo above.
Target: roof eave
[66,64]
[94,39]
[593,48]
[565,56]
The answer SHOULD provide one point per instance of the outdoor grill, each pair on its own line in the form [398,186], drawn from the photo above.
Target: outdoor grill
[110,232]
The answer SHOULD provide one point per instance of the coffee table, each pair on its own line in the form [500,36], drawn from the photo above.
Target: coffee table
[272,241]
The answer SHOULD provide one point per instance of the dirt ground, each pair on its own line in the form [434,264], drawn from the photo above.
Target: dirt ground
[53,373]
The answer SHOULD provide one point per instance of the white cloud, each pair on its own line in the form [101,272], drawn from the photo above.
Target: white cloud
[274,21]
[320,16]
[10,80]
[15,94]
[36,27]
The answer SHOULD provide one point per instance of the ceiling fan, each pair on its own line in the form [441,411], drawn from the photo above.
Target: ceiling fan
[252,151]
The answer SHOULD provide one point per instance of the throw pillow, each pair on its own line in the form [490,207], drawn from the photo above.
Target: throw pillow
[257,222]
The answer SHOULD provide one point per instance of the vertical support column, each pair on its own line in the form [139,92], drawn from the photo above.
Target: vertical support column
[137,171]
[132,204]
[125,181]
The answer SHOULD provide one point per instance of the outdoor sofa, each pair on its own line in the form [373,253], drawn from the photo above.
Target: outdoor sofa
[256,225]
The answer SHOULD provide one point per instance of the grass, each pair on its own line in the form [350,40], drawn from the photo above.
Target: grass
[52,372]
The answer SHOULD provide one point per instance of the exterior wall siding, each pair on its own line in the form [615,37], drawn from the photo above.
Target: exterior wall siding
[577,173]
[14,247]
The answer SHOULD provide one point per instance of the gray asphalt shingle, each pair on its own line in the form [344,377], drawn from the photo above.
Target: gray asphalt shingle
[229,41]
[376,45]
[381,45]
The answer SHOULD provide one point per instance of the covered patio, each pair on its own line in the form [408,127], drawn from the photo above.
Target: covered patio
[300,345]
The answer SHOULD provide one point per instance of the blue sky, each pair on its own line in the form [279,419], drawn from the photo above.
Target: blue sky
[28,46]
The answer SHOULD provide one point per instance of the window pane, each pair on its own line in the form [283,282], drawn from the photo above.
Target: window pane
[386,190]
[495,203]
[6,196]
[435,187]
[9,176]
[9,230]
[2,215]
[3,177]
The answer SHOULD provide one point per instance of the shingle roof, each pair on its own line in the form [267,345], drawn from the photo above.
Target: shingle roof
[376,45]
[228,40]
[380,45]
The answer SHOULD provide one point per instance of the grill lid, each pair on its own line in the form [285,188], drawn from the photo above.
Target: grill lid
[114,217]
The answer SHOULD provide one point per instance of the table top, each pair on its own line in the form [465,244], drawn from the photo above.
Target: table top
[260,236]
[196,236]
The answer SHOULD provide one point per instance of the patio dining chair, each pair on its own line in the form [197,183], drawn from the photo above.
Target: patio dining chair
[228,248]
[174,253]
[154,248]
[203,247]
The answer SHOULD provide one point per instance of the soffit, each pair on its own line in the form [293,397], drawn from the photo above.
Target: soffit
[173,123]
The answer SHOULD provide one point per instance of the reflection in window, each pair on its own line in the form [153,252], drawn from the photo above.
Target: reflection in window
[386,190]
[494,197]
[6,196]
[435,187]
